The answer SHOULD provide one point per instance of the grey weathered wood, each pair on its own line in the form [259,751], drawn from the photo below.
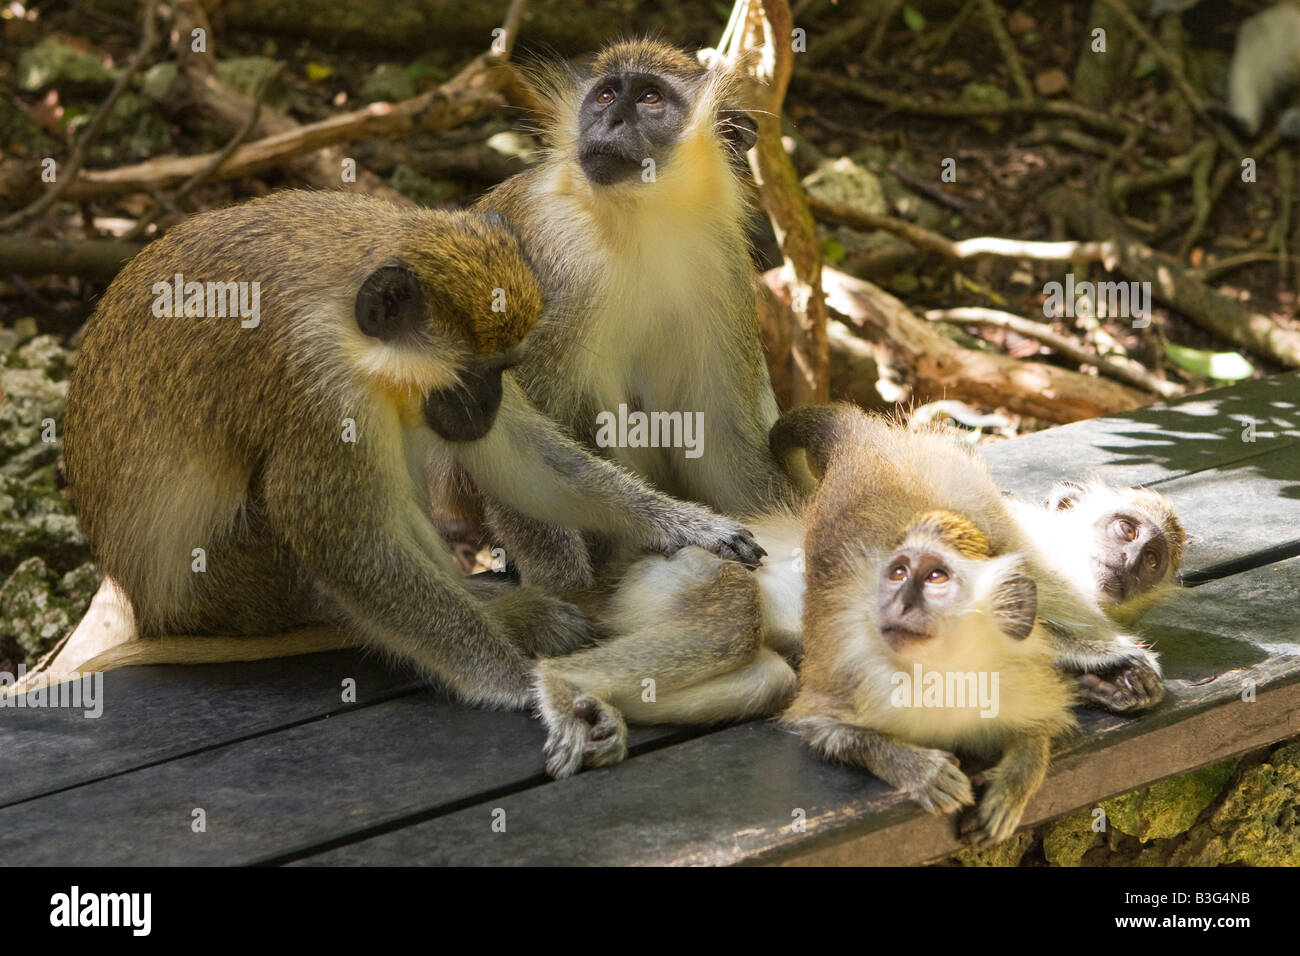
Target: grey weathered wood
[730,797]
[160,713]
[414,778]
[276,793]
[1158,443]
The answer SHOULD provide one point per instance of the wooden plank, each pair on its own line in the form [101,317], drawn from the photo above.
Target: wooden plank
[729,797]
[358,771]
[159,713]
[1157,443]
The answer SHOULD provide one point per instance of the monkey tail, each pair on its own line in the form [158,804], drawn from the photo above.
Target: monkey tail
[818,430]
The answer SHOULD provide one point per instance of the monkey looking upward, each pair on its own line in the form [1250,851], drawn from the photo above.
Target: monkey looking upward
[635,225]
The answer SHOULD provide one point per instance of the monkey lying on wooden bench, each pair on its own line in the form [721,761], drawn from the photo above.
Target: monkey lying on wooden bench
[906,559]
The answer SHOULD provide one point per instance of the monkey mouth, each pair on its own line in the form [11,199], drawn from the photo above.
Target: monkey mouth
[466,411]
[605,164]
[900,637]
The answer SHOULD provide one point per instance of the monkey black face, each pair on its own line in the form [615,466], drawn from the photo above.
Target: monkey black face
[465,412]
[627,118]
[1130,555]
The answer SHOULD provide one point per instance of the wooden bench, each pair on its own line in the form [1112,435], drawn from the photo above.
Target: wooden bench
[285,772]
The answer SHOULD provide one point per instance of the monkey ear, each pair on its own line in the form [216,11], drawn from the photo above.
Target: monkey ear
[739,130]
[390,302]
[1065,495]
[1015,602]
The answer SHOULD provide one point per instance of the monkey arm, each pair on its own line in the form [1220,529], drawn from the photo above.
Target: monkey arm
[931,777]
[526,461]
[397,586]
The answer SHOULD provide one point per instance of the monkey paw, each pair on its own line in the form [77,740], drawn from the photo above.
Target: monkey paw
[591,734]
[994,819]
[941,787]
[717,534]
[540,624]
[1127,687]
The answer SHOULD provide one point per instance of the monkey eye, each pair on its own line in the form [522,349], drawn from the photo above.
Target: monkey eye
[937,576]
[605,96]
[1127,529]
[898,572]
[651,96]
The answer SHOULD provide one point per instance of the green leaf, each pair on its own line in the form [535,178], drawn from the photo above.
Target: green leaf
[1225,366]
[833,251]
[319,71]
[912,17]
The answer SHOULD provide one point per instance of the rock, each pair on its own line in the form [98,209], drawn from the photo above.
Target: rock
[157,83]
[24,329]
[845,183]
[1258,821]
[1066,840]
[244,73]
[134,130]
[32,613]
[56,62]
[1051,82]
[1169,807]
[1006,853]
[46,354]
[388,82]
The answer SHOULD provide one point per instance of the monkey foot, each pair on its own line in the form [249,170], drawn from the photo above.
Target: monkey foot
[592,734]
[1127,688]
[993,820]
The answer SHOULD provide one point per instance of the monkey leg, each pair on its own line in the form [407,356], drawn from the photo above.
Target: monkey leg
[933,778]
[552,557]
[397,586]
[688,649]
[1015,778]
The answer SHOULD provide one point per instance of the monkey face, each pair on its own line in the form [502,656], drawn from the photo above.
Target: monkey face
[928,593]
[917,591]
[1131,555]
[626,118]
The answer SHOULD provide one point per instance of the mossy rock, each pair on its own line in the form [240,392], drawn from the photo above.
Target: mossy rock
[36,610]
[388,82]
[1168,808]
[422,189]
[1067,839]
[1258,821]
[1007,853]
[55,62]
[845,183]
[244,73]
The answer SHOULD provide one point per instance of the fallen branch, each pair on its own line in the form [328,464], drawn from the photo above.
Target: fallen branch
[99,259]
[473,92]
[1129,372]
[943,369]
[962,248]
[1172,284]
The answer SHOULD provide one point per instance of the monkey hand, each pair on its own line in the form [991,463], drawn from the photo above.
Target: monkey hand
[540,624]
[934,779]
[582,731]
[1130,685]
[717,533]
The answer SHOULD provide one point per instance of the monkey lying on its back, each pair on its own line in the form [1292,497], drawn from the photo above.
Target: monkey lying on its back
[920,626]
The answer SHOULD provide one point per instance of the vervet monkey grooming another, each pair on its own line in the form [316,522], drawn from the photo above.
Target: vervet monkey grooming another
[635,224]
[241,476]
[713,644]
